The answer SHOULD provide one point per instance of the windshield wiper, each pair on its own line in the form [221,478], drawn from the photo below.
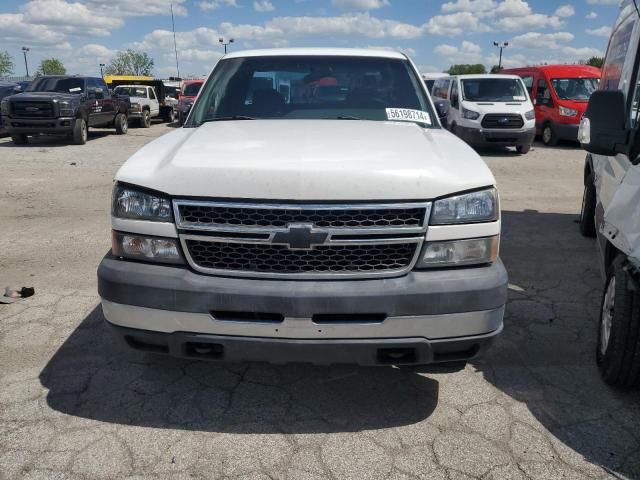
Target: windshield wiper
[225,119]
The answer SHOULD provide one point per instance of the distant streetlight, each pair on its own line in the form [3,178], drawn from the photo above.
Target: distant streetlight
[501,46]
[221,40]
[101,74]
[26,66]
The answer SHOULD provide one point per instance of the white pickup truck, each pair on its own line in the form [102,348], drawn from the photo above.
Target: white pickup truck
[144,103]
[312,209]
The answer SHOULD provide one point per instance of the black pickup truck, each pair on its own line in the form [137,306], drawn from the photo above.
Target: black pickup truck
[64,105]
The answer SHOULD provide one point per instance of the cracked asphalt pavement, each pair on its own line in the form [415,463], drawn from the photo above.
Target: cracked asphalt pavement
[75,404]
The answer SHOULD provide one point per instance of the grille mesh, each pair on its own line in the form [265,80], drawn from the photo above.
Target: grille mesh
[268,258]
[24,109]
[201,215]
[497,120]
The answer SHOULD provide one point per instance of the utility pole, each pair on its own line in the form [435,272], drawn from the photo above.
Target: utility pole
[175,47]
[500,46]
[26,65]
[221,40]
[101,73]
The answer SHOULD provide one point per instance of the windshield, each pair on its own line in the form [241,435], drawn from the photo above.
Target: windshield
[131,91]
[574,88]
[171,91]
[310,87]
[57,84]
[493,90]
[191,89]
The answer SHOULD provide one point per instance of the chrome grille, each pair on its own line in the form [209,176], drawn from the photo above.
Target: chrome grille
[265,258]
[195,215]
[301,240]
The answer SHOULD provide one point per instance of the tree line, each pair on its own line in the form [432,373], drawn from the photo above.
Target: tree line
[127,62]
[478,68]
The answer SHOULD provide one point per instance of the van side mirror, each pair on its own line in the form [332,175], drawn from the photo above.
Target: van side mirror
[442,109]
[603,129]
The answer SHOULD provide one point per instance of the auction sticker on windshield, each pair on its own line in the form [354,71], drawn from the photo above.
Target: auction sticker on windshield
[407,115]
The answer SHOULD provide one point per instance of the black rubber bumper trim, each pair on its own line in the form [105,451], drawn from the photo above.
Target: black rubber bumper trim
[436,292]
[365,352]
[482,137]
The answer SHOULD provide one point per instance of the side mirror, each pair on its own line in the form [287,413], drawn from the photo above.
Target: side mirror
[442,109]
[603,129]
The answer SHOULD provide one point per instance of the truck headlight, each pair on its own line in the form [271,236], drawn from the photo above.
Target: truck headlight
[530,115]
[128,202]
[65,109]
[140,247]
[470,114]
[567,112]
[452,253]
[471,207]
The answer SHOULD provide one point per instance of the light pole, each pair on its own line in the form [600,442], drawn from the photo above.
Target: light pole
[101,74]
[501,46]
[221,40]
[26,66]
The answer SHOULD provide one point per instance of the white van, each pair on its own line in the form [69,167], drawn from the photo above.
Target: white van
[491,110]
[610,132]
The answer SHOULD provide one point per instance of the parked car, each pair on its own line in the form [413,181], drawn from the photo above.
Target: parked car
[430,79]
[190,89]
[165,94]
[610,132]
[560,94]
[144,103]
[64,105]
[6,89]
[351,231]
[489,110]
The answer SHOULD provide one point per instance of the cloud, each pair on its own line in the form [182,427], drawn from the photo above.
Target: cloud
[467,52]
[216,4]
[528,22]
[603,2]
[591,15]
[71,18]
[599,32]
[360,4]
[120,8]
[542,41]
[263,6]
[565,11]
[469,6]
[513,8]
[455,24]
[15,30]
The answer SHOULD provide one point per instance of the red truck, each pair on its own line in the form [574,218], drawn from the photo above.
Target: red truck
[190,89]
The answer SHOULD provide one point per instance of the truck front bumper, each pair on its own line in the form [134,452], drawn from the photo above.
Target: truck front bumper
[32,126]
[420,318]
[482,137]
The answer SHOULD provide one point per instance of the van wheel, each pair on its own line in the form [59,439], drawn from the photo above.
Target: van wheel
[145,121]
[80,132]
[523,149]
[549,137]
[618,349]
[121,123]
[19,139]
[588,210]
[170,116]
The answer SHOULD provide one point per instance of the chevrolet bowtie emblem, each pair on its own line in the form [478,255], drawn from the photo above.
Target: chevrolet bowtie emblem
[300,237]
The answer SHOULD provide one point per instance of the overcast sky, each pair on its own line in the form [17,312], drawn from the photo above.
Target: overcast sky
[435,33]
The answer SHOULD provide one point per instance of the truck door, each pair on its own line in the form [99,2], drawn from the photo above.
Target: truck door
[154,105]
[544,102]
[108,104]
[95,103]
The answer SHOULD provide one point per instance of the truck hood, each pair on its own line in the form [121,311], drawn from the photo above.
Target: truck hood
[308,160]
[40,96]
[499,107]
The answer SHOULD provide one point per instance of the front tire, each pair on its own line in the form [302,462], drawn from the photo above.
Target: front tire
[170,116]
[145,121]
[19,139]
[523,149]
[80,131]
[588,210]
[618,349]
[121,123]
[549,137]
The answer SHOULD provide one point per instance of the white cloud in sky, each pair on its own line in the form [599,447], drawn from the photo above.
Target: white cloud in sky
[263,6]
[211,5]
[591,16]
[565,11]
[360,4]
[466,52]
[603,31]
[455,24]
